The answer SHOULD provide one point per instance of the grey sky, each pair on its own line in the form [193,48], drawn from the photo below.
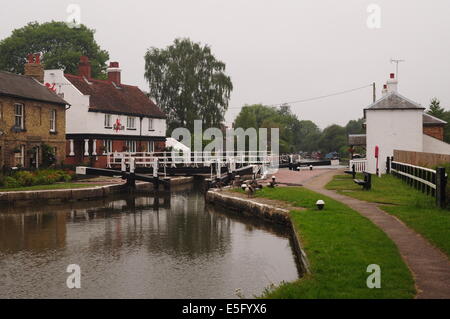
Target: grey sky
[276,51]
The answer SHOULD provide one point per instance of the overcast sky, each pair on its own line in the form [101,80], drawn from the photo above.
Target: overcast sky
[279,50]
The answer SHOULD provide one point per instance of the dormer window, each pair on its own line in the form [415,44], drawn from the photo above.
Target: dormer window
[131,123]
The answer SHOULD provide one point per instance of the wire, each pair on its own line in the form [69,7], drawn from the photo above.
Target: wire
[315,98]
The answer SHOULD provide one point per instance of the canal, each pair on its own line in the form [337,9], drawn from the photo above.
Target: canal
[140,246]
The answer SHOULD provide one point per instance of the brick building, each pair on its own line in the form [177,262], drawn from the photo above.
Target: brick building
[31,115]
[106,116]
[434,127]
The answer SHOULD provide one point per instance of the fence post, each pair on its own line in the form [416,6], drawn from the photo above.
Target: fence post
[441,185]
[388,165]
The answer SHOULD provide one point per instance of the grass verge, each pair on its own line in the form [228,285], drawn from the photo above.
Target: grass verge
[47,187]
[414,208]
[340,244]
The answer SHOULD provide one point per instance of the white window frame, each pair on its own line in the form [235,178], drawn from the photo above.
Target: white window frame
[53,120]
[131,145]
[151,146]
[21,158]
[131,123]
[19,116]
[107,121]
[108,146]
[151,124]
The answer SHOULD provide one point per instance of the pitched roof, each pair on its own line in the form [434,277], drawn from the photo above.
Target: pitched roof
[105,96]
[394,101]
[26,87]
[357,139]
[429,120]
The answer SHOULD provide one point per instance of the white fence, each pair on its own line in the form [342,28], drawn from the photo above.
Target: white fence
[195,159]
[360,165]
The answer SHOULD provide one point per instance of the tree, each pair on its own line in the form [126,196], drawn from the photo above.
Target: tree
[333,139]
[188,83]
[262,116]
[435,109]
[355,126]
[61,46]
[309,136]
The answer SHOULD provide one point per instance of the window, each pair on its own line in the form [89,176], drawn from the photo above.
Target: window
[19,156]
[18,114]
[151,146]
[150,125]
[131,123]
[52,120]
[107,144]
[108,121]
[131,146]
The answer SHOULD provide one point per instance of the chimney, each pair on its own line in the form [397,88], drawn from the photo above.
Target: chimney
[384,92]
[114,72]
[84,67]
[392,84]
[34,68]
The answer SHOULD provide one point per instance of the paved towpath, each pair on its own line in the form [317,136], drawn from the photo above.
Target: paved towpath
[430,266]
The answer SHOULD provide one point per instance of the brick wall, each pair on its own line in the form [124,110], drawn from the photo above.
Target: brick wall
[36,130]
[434,131]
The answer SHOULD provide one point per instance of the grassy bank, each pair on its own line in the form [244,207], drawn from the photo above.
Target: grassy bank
[47,187]
[340,244]
[415,209]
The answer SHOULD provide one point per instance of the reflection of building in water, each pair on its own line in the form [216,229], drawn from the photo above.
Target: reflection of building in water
[32,231]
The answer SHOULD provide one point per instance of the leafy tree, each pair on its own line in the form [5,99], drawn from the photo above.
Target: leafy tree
[61,46]
[333,139]
[188,83]
[435,109]
[309,135]
[262,116]
[355,127]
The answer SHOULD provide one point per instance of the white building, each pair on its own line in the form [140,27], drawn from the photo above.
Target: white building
[106,116]
[396,123]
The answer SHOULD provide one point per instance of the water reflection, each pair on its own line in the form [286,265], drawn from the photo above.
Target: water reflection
[139,246]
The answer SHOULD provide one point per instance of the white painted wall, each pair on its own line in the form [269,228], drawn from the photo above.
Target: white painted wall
[392,129]
[79,120]
[433,145]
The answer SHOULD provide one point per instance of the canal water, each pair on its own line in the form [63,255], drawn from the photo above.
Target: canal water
[139,246]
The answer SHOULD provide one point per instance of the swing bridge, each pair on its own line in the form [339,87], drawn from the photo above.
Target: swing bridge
[154,167]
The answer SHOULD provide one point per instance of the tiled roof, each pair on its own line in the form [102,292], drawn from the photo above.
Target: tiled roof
[357,139]
[429,120]
[105,96]
[394,101]
[26,87]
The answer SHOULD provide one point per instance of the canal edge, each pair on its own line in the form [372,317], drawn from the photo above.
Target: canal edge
[80,193]
[266,212]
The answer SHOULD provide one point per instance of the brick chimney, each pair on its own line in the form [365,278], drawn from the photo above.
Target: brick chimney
[84,67]
[34,68]
[385,90]
[392,83]
[114,72]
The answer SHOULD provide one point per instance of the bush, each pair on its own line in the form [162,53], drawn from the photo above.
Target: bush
[25,178]
[11,182]
[38,177]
